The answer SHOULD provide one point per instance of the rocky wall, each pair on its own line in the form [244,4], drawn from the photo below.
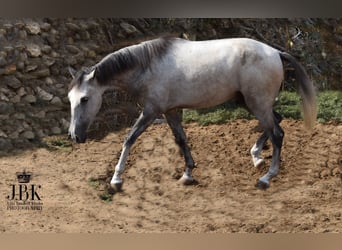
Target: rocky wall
[34,56]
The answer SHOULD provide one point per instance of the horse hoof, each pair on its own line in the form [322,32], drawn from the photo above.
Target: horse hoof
[259,163]
[186,181]
[117,187]
[262,185]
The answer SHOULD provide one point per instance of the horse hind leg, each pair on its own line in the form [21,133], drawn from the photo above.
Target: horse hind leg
[276,135]
[260,143]
[257,148]
[175,124]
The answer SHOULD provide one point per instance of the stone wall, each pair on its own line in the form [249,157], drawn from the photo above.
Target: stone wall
[35,55]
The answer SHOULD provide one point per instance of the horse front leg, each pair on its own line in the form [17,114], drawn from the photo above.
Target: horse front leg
[144,120]
[174,121]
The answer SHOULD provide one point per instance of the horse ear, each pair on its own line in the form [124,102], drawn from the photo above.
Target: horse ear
[72,71]
[92,74]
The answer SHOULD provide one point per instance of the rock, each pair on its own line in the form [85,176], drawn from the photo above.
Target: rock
[4,90]
[33,28]
[19,48]
[6,107]
[55,54]
[12,81]
[56,131]
[65,100]
[70,40]
[60,85]
[41,73]
[40,133]
[70,60]
[15,99]
[41,114]
[3,61]
[49,81]
[33,50]
[48,61]
[4,117]
[3,134]
[72,26]
[44,95]
[21,91]
[85,35]
[52,40]
[19,116]
[22,34]
[19,24]
[8,26]
[128,28]
[5,145]
[30,99]
[56,101]
[8,49]
[45,26]
[20,65]
[23,57]
[28,135]
[73,49]
[46,49]
[3,97]
[31,67]
[14,135]
[10,69]
[65,124]
[91,54]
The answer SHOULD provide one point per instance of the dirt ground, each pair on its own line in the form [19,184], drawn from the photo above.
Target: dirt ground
[305,197]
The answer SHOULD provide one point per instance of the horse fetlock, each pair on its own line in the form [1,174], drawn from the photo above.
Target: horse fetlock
[116,179]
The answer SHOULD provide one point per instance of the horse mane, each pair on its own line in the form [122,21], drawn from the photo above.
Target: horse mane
[140,55]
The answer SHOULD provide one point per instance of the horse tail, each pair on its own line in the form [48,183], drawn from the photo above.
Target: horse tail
[306,90]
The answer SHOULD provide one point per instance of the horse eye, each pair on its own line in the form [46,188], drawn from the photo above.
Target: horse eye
[84,99]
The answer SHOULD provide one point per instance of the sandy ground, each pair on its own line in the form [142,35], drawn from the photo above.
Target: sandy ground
[305,197]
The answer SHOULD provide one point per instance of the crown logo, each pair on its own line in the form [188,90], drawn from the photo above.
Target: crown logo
[24,177]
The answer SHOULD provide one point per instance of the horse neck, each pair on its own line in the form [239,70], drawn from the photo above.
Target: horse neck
[129,81]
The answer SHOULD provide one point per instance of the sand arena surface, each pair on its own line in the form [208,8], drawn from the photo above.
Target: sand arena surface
[305,197]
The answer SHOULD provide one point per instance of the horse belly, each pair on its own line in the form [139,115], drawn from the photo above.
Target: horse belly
[201,94]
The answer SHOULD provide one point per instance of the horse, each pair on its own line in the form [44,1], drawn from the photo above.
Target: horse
[168,74]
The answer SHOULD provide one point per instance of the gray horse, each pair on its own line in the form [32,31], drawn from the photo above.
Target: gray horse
[171,73]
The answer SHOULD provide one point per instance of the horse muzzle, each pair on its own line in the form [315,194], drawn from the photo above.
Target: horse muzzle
[78,134]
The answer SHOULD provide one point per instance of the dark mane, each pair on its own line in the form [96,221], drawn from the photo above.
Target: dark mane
[140,55]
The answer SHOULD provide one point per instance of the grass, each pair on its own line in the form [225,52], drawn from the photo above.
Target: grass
[104,195]
[60,142]
[288,105]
